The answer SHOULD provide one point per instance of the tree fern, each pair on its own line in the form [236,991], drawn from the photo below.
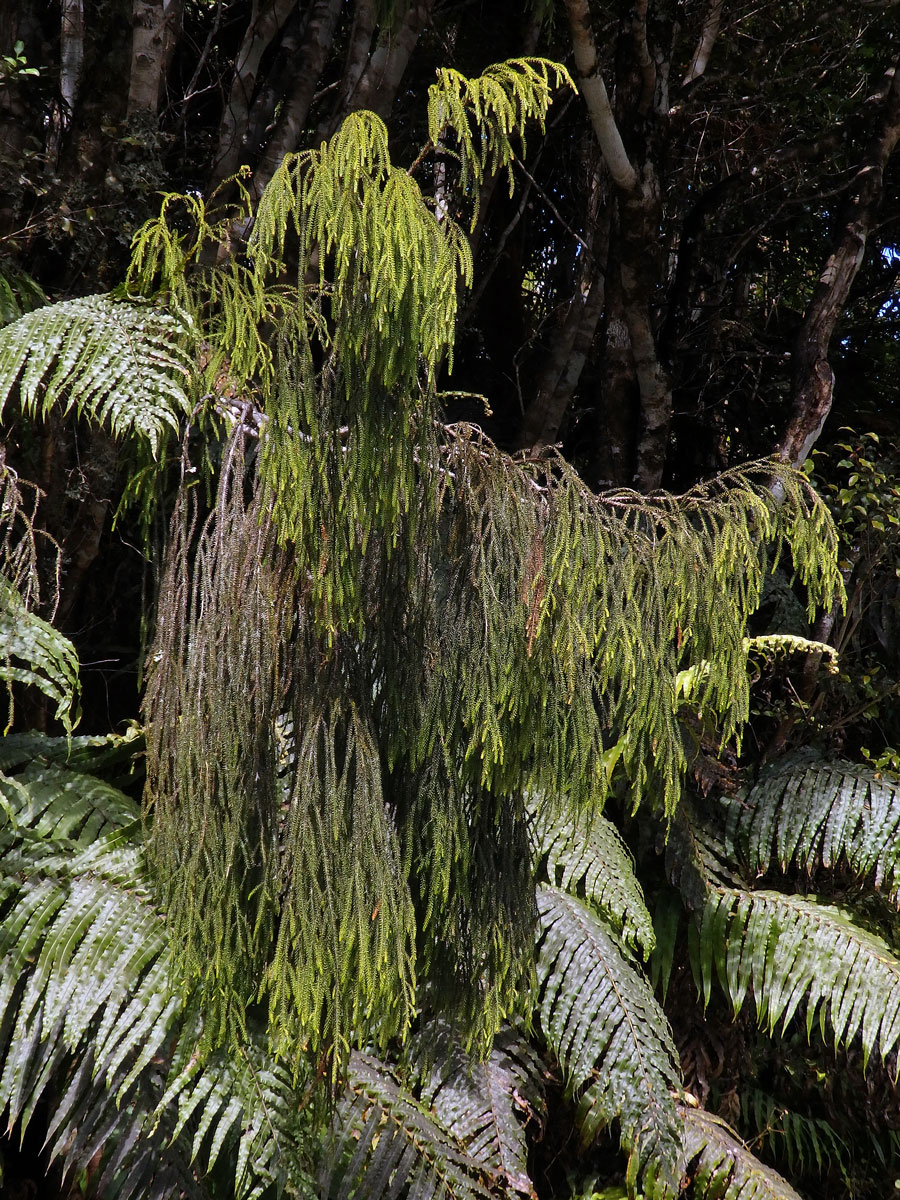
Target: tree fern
[489,1104]
[612,1039]
[793,951]
[807,813]
[33,653]
[722,1167]
[386,1144]
[120,363]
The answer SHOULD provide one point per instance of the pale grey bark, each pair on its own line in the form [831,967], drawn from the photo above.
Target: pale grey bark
[380,81]
[286,135]
[711,24]
[813,382]
[152,42]
[360,44]
[592,87]
[266,20]
[71,51]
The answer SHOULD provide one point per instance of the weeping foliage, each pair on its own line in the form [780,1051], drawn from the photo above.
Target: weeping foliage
[831,813]
[439,628]
[612,1039]
[722,1166]
[483,115]
[122,364]
[791,951]
[92,1024]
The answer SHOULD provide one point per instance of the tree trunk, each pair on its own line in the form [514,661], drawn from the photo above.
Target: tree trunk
[151,46]
[813,378]
[378,86]
[266,21]
[286,135]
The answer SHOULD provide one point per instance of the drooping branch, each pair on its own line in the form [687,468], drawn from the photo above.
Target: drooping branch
[813,377]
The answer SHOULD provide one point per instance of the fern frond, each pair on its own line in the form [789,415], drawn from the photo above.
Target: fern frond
[121,364]
[91,1013]
[612,1039]
[486,1104]
[19,293]
[33,653]
[802,1142]
[585,855]
[721,1166]
[791,951]
[827,813]
[386,1144]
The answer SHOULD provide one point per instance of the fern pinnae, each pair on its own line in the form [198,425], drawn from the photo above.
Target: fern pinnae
[611,1038]
[721,1166]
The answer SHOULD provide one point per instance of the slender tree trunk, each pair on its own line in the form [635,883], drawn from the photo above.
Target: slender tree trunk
[153,38]
[711,24]
[813,378]
[360,44]
[266,21]
[71,52]
[380,82]
[286,135]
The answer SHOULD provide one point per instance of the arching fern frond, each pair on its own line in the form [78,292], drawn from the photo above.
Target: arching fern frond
[585,855]
[487,1104]
[386,1144]
[121,364]
[792,951]
[612,1039]
[19,293]
[721,1166]
[827,813]
[91,1013]
[800,1141]
[33,652]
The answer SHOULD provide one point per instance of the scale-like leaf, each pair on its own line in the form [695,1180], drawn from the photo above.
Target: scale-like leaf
[721,1166]
[611,1037]
[386,1144]
[821,812]
[792,951]
[120,363]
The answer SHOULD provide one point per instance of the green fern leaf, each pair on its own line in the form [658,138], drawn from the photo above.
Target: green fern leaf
[611,1037]
[486,1104]
[121,364]
[386,1144]
[585,855]
[90,1012]
[33,653]
[811,813]
[721,1166]
[792,951]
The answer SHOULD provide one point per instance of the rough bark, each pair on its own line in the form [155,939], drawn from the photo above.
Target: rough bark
[286,135]
[266,20]
[813,378]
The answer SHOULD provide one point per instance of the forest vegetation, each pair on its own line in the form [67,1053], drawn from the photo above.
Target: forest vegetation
[450,576]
